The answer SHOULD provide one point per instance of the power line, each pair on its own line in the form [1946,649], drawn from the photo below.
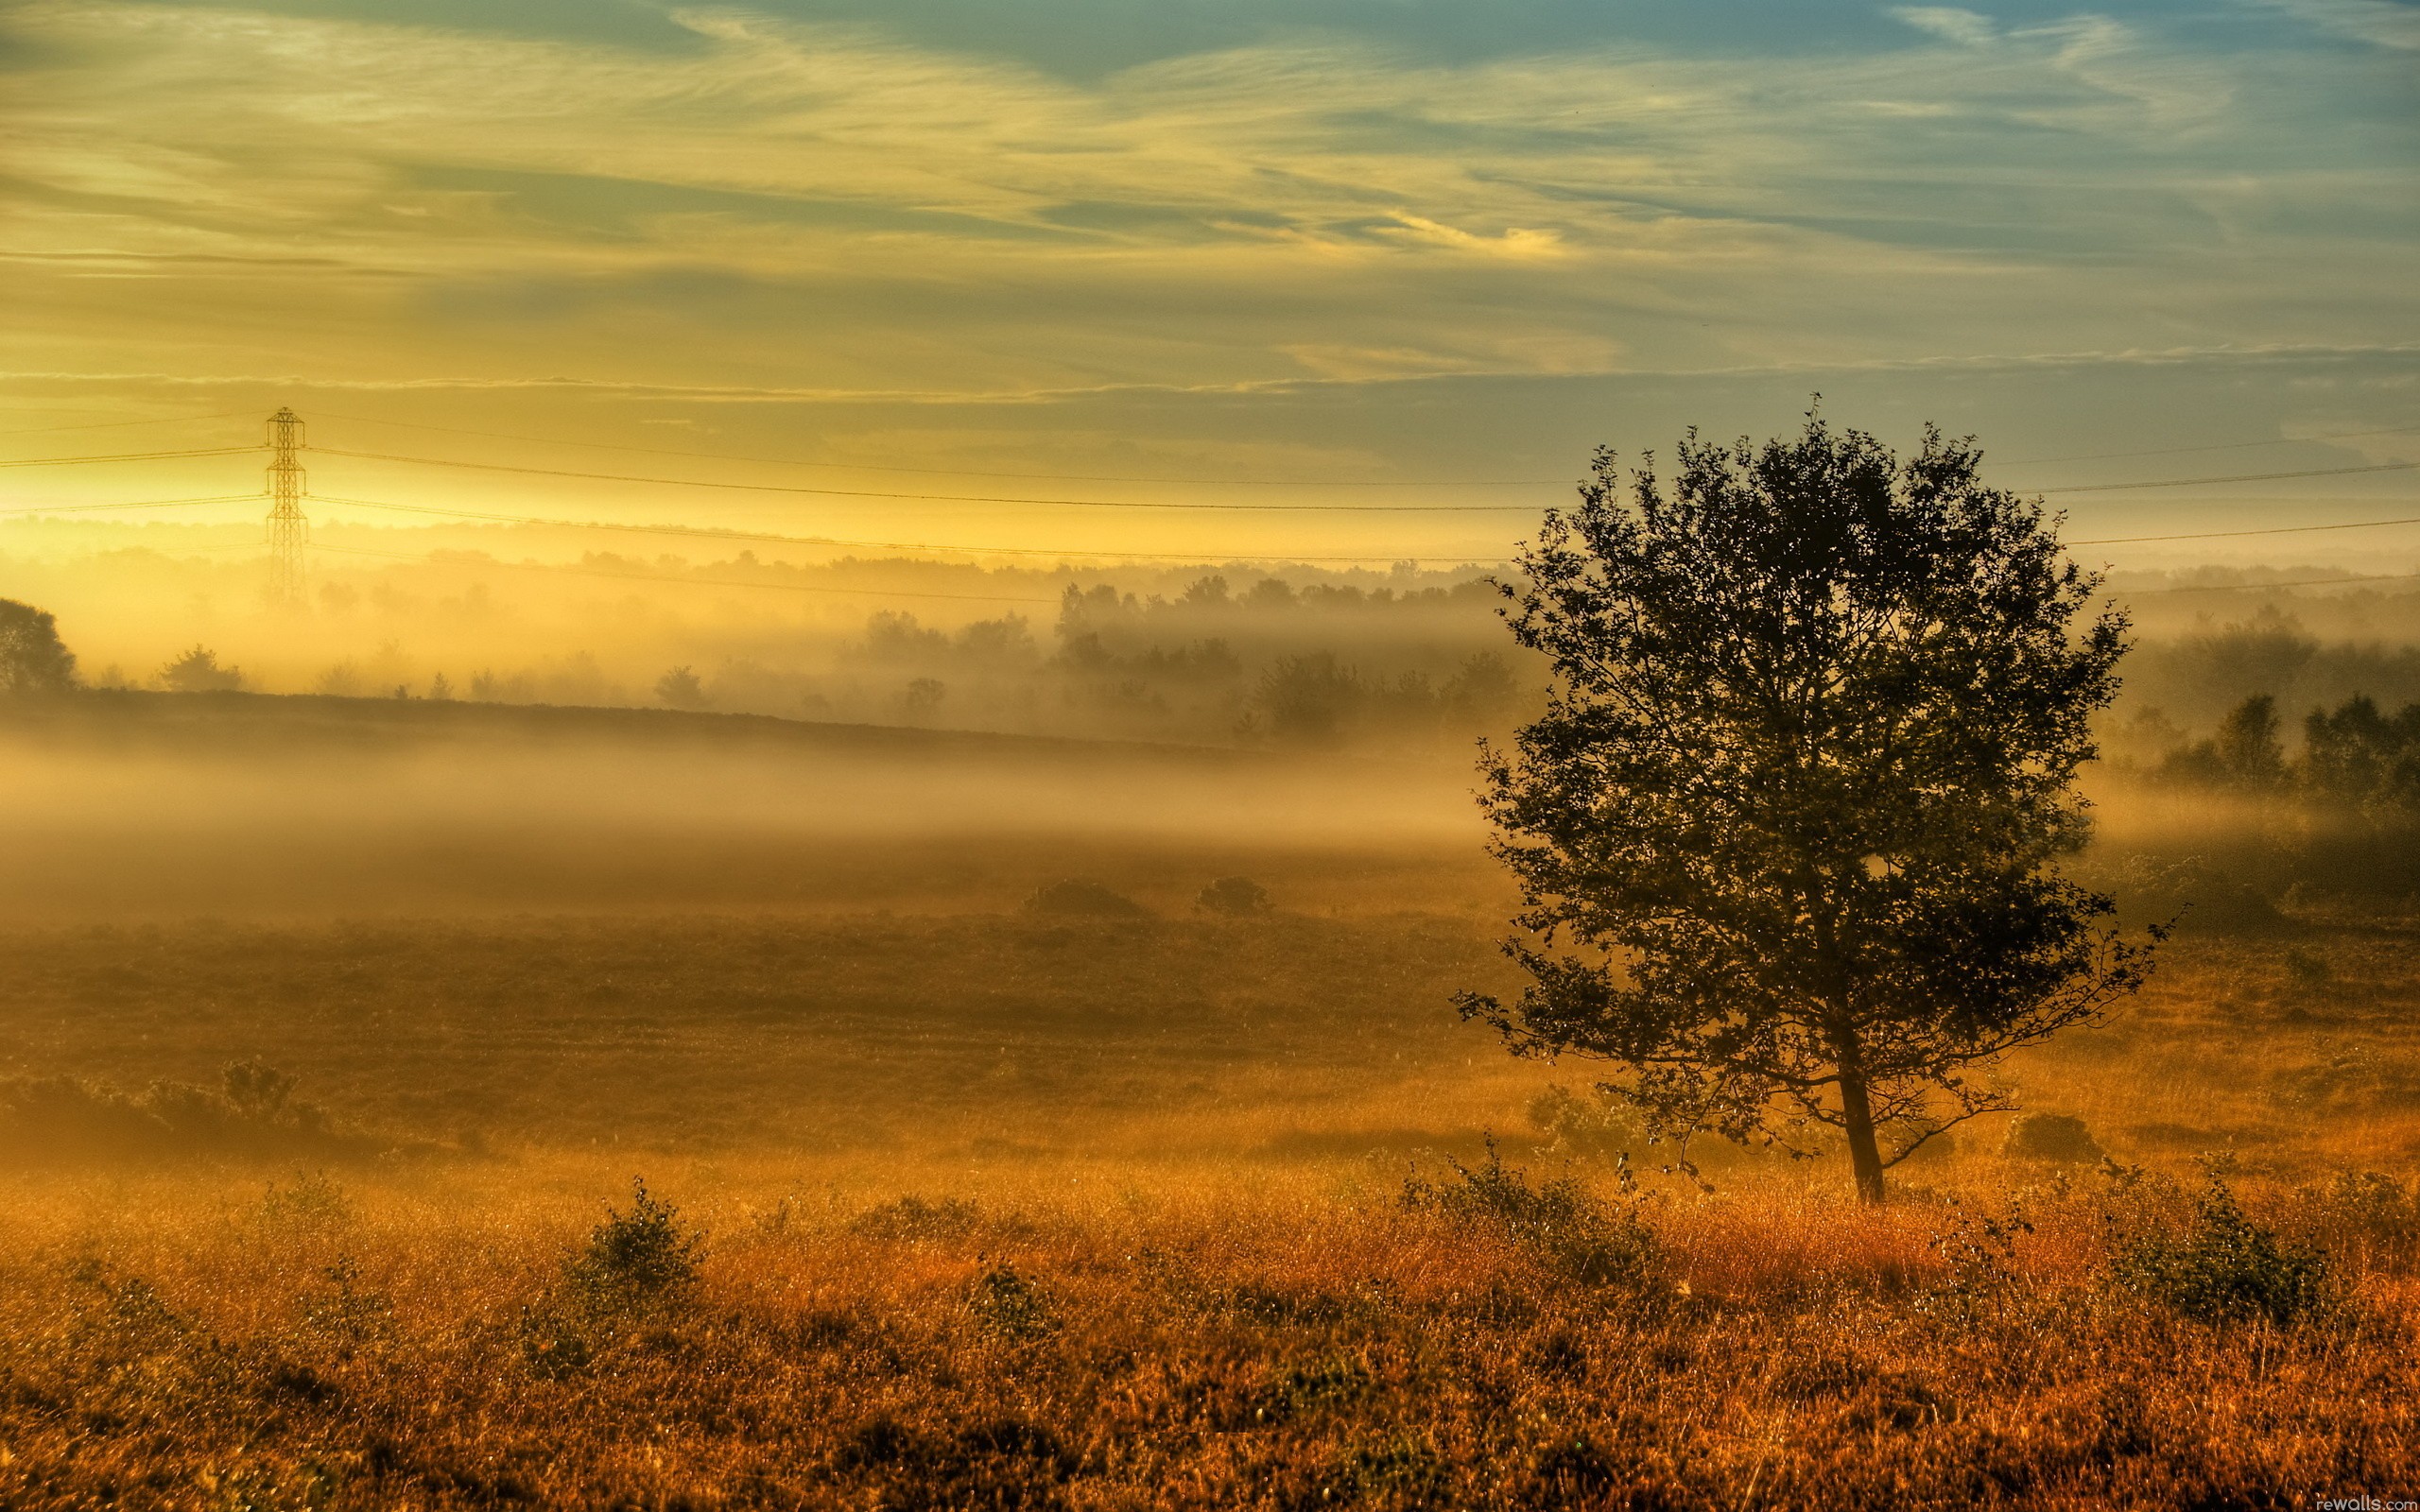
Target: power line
[2299,582]
[968,473]
[2272,530]
[2215,446]
[116,424]
[1143,504]
[713,533]
[127,456]
[137,504]
[2237,477]
[1261,483]
[937,498]
[698,582]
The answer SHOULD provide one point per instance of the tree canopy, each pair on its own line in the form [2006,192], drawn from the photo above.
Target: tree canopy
[1787,832]
[32,658]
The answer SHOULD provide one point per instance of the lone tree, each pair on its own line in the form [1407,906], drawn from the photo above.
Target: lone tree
[1785,834]
[32,658]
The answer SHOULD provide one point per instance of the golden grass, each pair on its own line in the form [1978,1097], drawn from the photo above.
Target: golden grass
[414,1342]
[1187,1140]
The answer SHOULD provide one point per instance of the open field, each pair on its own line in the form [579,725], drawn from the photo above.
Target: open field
[1002,1209]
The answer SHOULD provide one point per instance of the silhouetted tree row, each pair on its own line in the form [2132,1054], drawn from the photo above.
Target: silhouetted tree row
[2355,754]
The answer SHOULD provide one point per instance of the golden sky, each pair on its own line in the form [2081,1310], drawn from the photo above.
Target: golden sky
[1372,242]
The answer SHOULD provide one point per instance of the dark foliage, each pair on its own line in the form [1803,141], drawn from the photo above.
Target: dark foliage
[1559,1220]
[197,670]
[1235,897]
[2223,1266]
[32,658]
[1798,794]
[637,1258]
[2051,1137]
[1077,898]
[250,1116]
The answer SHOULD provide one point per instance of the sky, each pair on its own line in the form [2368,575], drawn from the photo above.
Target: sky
[1208,253]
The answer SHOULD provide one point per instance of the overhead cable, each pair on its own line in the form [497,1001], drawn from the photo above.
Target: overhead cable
[2269,530]
[127,456]
[2235,477]
[2214,446]
[713,533]
[1146,503]
[136,503]
[119,424]
[1257,483]
[2298,582]
[934,498]
[966,473]
[700,582]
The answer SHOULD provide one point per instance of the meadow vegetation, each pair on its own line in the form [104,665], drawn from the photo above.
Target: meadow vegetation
[1009,1209]
[955,1198]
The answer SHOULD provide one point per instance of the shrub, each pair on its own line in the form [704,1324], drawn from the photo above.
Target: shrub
[2192,894]
[681,688]
[1584,1126]
[1009,1305]
[2051,1137]
[1558,1219]
[1235,897]
[252,1115]
[639,1258]
[912,1217]
[199,671]
[2376,1211]
[1077,898]
[2223,1266]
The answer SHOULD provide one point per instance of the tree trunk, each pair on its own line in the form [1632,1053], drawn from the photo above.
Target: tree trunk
[1865,1156]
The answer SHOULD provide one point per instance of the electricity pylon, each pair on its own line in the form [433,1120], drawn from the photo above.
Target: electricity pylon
[287,529]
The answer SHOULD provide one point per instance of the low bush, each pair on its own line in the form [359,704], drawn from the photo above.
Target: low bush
[1558,1220]
[638,1259]
[912,1217]
[2190,893]
[252,1115]
[2053,1137]
[2220,1267]
[1076,898]
[1009,1305]
[1585,1125]
[1235,897]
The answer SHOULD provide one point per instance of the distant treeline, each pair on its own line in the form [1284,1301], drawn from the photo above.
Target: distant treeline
[2188,681]
[2355,755]
[1317,665]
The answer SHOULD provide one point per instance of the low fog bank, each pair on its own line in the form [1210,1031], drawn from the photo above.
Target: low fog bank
[172,805]
[1272,656]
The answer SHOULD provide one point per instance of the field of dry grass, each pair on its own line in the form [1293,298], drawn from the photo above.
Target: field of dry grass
[980,1209]
[1002,1211]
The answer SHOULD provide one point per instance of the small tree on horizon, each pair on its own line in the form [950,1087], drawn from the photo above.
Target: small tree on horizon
[198,670]
[1784,834]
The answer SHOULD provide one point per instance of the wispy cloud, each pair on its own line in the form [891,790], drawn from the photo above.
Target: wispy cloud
[826,209]
[2385,23]
[1966,27]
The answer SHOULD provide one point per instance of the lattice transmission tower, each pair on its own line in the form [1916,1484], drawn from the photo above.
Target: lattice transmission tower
[289,531]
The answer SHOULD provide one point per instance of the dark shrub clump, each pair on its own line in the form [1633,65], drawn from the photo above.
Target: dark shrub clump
[1558,1220]
[2051,1137]
[1235,897]
[2221,1267]
[637,1258]
[1077,898]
